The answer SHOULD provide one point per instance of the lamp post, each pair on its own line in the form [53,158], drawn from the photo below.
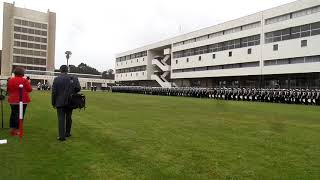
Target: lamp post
[68,54]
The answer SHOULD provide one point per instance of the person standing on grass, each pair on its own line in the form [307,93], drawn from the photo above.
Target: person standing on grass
[13,90]
[63,87]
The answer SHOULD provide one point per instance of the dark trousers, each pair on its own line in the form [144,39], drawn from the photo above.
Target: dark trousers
[14,117]
[64,121]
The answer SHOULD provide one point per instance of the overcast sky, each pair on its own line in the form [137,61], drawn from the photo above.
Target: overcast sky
[96,30]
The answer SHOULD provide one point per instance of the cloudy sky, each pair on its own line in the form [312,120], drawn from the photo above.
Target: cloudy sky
[96,30]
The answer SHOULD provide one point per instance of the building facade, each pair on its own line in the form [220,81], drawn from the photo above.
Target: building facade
[28,39]
[275,48]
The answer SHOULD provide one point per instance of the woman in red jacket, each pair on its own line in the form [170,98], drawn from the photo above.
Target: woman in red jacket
[13,91]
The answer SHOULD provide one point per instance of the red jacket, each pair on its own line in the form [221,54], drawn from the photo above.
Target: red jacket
[13,90]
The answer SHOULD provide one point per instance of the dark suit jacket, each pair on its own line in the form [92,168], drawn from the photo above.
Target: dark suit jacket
[63,86]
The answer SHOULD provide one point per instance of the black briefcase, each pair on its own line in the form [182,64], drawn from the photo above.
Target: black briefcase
[77,101]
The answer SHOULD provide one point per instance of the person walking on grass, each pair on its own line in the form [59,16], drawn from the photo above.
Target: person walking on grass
[63,87]
[13,92]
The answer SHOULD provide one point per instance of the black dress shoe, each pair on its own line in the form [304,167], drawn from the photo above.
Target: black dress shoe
[68,135]
[61,139]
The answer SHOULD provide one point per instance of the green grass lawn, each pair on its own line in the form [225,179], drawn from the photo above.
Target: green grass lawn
[127,136]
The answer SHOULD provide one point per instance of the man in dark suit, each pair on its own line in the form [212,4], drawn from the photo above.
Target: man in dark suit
[63,86]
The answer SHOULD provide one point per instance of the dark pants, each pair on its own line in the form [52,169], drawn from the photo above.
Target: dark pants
[64,121]
[14,117]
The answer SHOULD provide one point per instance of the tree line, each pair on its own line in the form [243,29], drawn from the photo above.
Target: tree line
[83,68]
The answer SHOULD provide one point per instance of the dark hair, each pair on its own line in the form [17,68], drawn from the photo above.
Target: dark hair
[64,69]
[18,71]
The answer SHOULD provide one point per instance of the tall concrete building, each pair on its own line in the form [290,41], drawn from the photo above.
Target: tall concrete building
[278,47]
[28,39]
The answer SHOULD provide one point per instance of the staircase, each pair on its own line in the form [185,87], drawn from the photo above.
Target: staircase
[162,82]
[161,64]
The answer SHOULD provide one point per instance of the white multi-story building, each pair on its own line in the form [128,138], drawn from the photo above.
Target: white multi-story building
[279,47]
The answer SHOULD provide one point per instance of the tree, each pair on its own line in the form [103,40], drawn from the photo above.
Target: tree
[109,74]
[83,68]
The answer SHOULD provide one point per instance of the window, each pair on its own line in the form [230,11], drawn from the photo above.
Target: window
[312,59]
[250,51]
[24,44]
[24,30]
[199,58]
[137,60]
[44,40]
[293,33]
[30,38]
[17,21]
[142,59]
[30,45]
[219,67]
[24,23]
[176,61]
[222,46]
[278,19]
[37,46]
[213,56]
[44,26]
[187,60]
[270,62]
[230,54]
[17,36]
[44,33]
[304,43]
[282,61]
[31,31]
[297,60]
[275,47]
[43,47]
[251,26]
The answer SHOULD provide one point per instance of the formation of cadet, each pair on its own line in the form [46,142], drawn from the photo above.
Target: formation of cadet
[289,96]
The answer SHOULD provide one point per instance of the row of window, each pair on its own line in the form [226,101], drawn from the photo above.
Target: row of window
[29,52]
[133,69]
[132,56]
[30,31]
[293,15]
[222,46]
[131,61]
[297,60]
[219,67]
[131,74]
[29,60]
[293,33]
[30,38]
[30,68]
[30,24]
[249,51]
[220,33]
[30,45]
